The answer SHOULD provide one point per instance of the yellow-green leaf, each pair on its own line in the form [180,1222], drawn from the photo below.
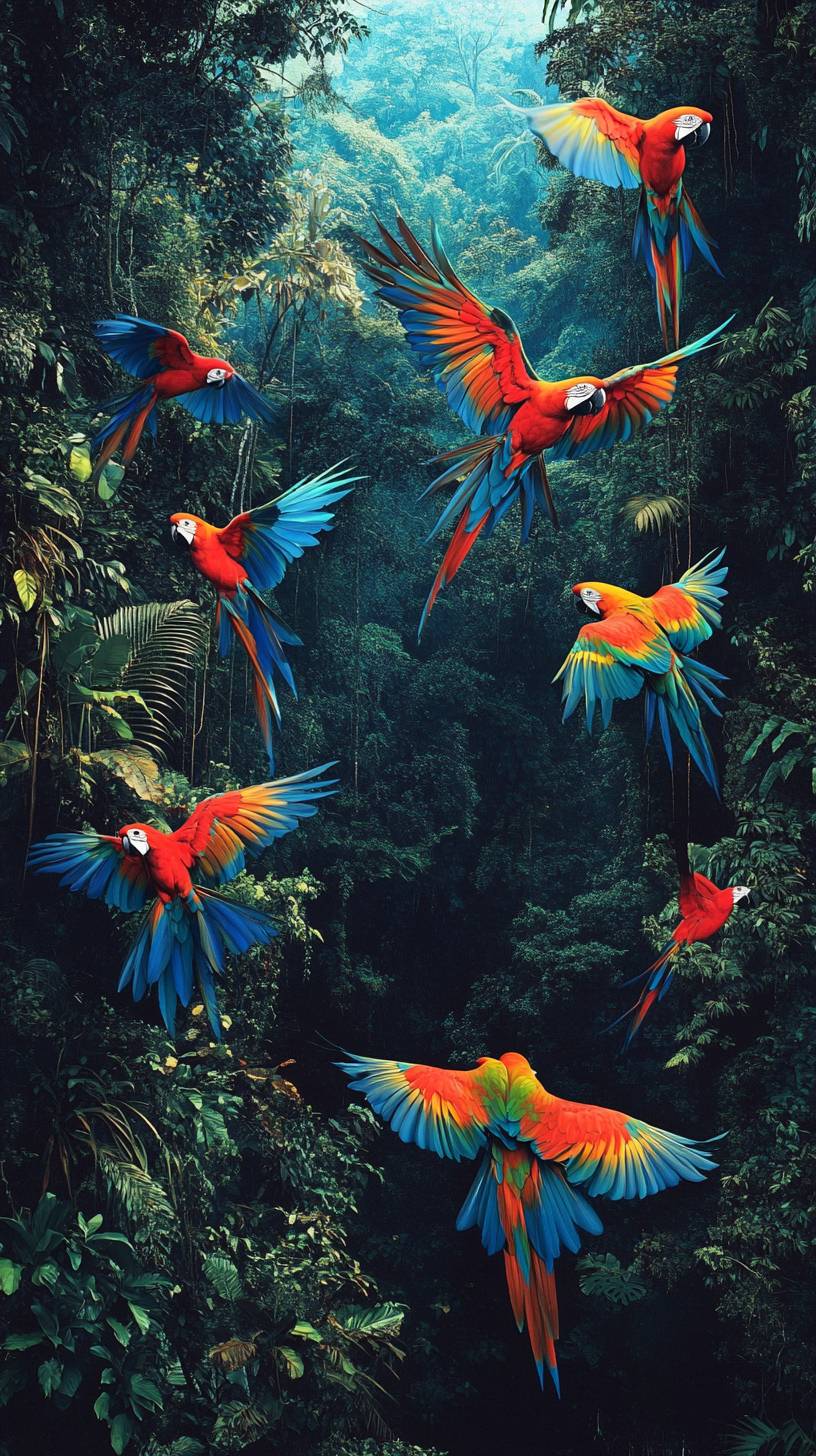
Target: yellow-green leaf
[27,589]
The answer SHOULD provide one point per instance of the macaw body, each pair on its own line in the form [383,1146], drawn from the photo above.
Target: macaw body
[643,642]
[595,140]
[188,929]
[478,361]
[704,909]
[251,555]
[536,1152]
[211,389]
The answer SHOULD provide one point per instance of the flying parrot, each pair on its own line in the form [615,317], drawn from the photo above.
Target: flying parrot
[704,909]
[644,642]
[250,555]
[188,928]
[536,1151]
[478,361]
[594,139]
[209,388]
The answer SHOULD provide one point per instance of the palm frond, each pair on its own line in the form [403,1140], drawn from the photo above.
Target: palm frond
[161,643]
[652,512]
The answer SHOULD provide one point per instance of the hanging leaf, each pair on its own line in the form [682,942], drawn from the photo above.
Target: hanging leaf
[165,641]
[79,462]
[223,1276]
[652,512]
[27,588]
[232,1354]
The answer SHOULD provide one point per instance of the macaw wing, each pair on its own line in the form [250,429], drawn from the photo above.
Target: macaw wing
[592,139]
[224,828]
[688,610]
[473,351]
[607,662]
[143,348]
[633,397]
[271,536]
[433,1107]
[95,864]
[226,404]
[607,1151]
[696,894]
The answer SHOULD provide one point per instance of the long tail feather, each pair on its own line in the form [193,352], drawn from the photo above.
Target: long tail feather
[674,699]
[264,640]
[657,979]
[183,944]
[129,414]
[526,1209]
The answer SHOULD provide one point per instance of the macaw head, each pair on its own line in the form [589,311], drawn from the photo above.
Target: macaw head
[183,529]
[690,126]
[740,892]
[584,397]
[601,598]
[135,840]
[219,373]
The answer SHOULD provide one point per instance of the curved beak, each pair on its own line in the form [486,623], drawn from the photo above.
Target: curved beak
[703,133]
[173,531]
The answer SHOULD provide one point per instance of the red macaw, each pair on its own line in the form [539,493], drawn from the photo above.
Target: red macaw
[704,909]
[478,361]
[250,555]
[594,139]
[643,641]
[209,388]
[534,1149]
[188,928]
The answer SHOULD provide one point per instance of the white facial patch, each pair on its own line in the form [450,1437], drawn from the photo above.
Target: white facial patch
[578,394]
[186,529]
[686,124]
[591,598]
[135,842]
[740,892]
[217,377]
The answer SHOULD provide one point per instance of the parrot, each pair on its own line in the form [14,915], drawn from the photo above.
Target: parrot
[478,361]
[704,909]
[187,928]
[645,641]
[536,1152]
[250,555]
[209,388]
[594,139]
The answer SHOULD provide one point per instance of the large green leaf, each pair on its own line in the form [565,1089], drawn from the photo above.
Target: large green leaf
[164,642]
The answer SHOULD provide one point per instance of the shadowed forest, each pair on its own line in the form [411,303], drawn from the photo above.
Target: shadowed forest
[212,1248]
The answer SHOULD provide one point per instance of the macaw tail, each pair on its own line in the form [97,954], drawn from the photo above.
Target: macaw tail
[674,698]
[185,943]
[128,416]
[528,1210]
[482,499]
[264,640]
[667,230]
[656,978]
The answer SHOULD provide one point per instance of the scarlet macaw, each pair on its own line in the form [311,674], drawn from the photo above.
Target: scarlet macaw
[209,388]
[188,928]
[250,555]
[644,641]
[534,1148]
[478,361]
[594,139]
[704,909]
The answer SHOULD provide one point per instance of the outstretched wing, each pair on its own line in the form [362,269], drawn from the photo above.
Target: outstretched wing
[226,404]
[608,1152]
[266,539]
[223,829]
[592,139]
[633,398]
[95,864]
[141,347]
[474,351]
[688,610]
[607,662]
[445,1111]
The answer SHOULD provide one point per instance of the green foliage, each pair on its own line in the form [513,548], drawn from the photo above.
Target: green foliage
[757,1438]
